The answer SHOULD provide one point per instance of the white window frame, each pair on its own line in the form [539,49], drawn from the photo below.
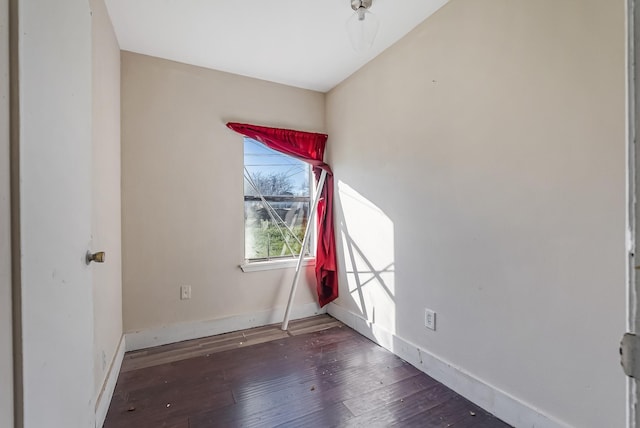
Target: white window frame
[287,262]
[260,265]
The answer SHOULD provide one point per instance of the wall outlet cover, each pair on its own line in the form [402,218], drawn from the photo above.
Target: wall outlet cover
[430,319]
[185,292]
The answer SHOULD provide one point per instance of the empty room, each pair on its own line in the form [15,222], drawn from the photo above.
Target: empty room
[313,214]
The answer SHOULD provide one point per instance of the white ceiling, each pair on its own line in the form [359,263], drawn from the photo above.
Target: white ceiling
[300,43]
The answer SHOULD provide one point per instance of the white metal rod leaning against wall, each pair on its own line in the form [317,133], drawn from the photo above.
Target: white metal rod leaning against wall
[296,277]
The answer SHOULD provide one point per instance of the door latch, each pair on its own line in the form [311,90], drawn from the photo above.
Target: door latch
[630,355]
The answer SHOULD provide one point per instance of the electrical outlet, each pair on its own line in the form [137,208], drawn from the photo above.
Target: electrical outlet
[430,319]
[185,292]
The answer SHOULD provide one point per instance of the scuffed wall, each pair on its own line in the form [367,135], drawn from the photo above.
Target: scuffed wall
[182,191]
[480,170]
[106,229]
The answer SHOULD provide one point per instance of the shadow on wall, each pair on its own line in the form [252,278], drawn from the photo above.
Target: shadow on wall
[366,249]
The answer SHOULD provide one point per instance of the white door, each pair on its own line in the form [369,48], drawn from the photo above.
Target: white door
[55,212]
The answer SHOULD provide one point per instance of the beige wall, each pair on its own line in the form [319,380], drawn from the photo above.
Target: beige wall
[6,345]
[182,184]
[106,233]
[480,164]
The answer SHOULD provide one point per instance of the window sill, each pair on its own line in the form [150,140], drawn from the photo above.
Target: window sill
[276,264]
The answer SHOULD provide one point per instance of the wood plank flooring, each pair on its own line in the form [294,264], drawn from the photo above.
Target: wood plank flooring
[318,374]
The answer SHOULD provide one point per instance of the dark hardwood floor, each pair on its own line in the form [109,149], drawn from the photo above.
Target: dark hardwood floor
[318,374]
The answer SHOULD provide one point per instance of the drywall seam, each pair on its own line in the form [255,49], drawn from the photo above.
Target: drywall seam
[633,95]
[6,323]
[498,402]
[148,338]
[106,392]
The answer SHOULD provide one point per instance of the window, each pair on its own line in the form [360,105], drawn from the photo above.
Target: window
[276,203]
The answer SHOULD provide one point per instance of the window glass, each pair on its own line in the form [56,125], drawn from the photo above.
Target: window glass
[276,202]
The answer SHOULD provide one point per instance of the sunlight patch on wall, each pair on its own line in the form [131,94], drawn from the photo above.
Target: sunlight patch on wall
[368,246]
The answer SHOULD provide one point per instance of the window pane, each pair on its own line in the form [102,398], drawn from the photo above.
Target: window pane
[266,238]
[274,173]
[277,202]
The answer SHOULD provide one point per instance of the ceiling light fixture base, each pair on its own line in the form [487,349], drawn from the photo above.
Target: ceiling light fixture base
[362,31]
[357,4]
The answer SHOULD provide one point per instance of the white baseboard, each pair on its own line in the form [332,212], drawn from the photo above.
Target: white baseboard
[106,393]
[164,335]
[503,405]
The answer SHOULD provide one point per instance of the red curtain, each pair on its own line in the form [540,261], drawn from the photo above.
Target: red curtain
[308,147]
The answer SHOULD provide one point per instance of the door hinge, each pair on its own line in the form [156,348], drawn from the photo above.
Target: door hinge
[630,355]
